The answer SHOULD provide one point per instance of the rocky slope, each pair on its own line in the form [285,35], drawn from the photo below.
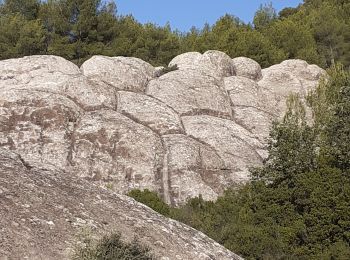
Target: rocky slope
[44,213]
[115,123]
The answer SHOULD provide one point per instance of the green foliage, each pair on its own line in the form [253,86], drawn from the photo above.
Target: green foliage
[295,38]
[111,247]
[331,28]
[28,8]
[297,205]
[331,103]
[316,31]
[167,69]
[286,12]
[152,200]
[264,16]
[253,44]
[20,37]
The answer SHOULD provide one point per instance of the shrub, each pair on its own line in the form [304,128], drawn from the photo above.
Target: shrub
[111,247]
[166,70]
[152,200]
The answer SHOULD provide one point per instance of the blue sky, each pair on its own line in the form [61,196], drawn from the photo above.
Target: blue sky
[183,14]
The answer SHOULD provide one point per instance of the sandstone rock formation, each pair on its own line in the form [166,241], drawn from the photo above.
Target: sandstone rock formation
[116,122]
[43,210]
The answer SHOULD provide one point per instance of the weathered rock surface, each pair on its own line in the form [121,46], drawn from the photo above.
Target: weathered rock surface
[214,63]
[291,76]
[43,210]
[246,67]
[192,131]
[236,146]
[188,159]
[249,105]
[191,92]
[112,149]
[149,111]
[120,72]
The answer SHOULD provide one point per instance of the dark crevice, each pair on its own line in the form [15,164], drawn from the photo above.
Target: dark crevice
[207,112]
[25,164]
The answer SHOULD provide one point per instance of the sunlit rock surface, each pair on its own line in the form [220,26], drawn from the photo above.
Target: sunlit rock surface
[45,212]
[117,122]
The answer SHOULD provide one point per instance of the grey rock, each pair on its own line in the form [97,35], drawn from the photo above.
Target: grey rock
[291,76]
[38,125]
[191,92]
[192,131]
[193,168]
[111,148]
[123,73]
[214,63]
[52,74]
[149,111]
[158,71]
[236,145]
[188,60]
[249,106]
[62,209]
[246,67]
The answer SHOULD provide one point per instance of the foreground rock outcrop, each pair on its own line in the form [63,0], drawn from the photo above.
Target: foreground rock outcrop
[43,210]
[115,123]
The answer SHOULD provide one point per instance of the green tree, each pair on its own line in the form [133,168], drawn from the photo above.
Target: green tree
[255,45]
[158,45]
[151,199]
[288,11]
[264,16]
[19,37]
[28,9]
[295,38]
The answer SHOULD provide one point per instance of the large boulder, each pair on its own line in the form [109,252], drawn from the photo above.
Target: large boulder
[246,67]
[52,74]
[110,148]
[191,92]
[38,125]
[150,112]
[46,213]
[214,63]
[196,130]
[249,106]
[291,76]
[123,73]
[238,148]
[193,168]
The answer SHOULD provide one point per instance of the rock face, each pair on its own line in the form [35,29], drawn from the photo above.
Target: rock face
[43,210]
[246,67]
[114,122]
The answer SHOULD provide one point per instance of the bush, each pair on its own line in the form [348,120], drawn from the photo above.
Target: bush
[166,70]
[111,247]
[152,200]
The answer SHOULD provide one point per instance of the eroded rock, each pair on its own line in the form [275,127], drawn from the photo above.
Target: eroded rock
[38,125]
[150,112]
[291,76]
[213,63]
[117,123]
[236,146]
[191,92]
[193,168]
[123,73]
[111,148]
[246,67]
[45,211]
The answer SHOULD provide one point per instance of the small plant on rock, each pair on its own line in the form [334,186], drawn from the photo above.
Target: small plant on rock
[166,70]
[111,247]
